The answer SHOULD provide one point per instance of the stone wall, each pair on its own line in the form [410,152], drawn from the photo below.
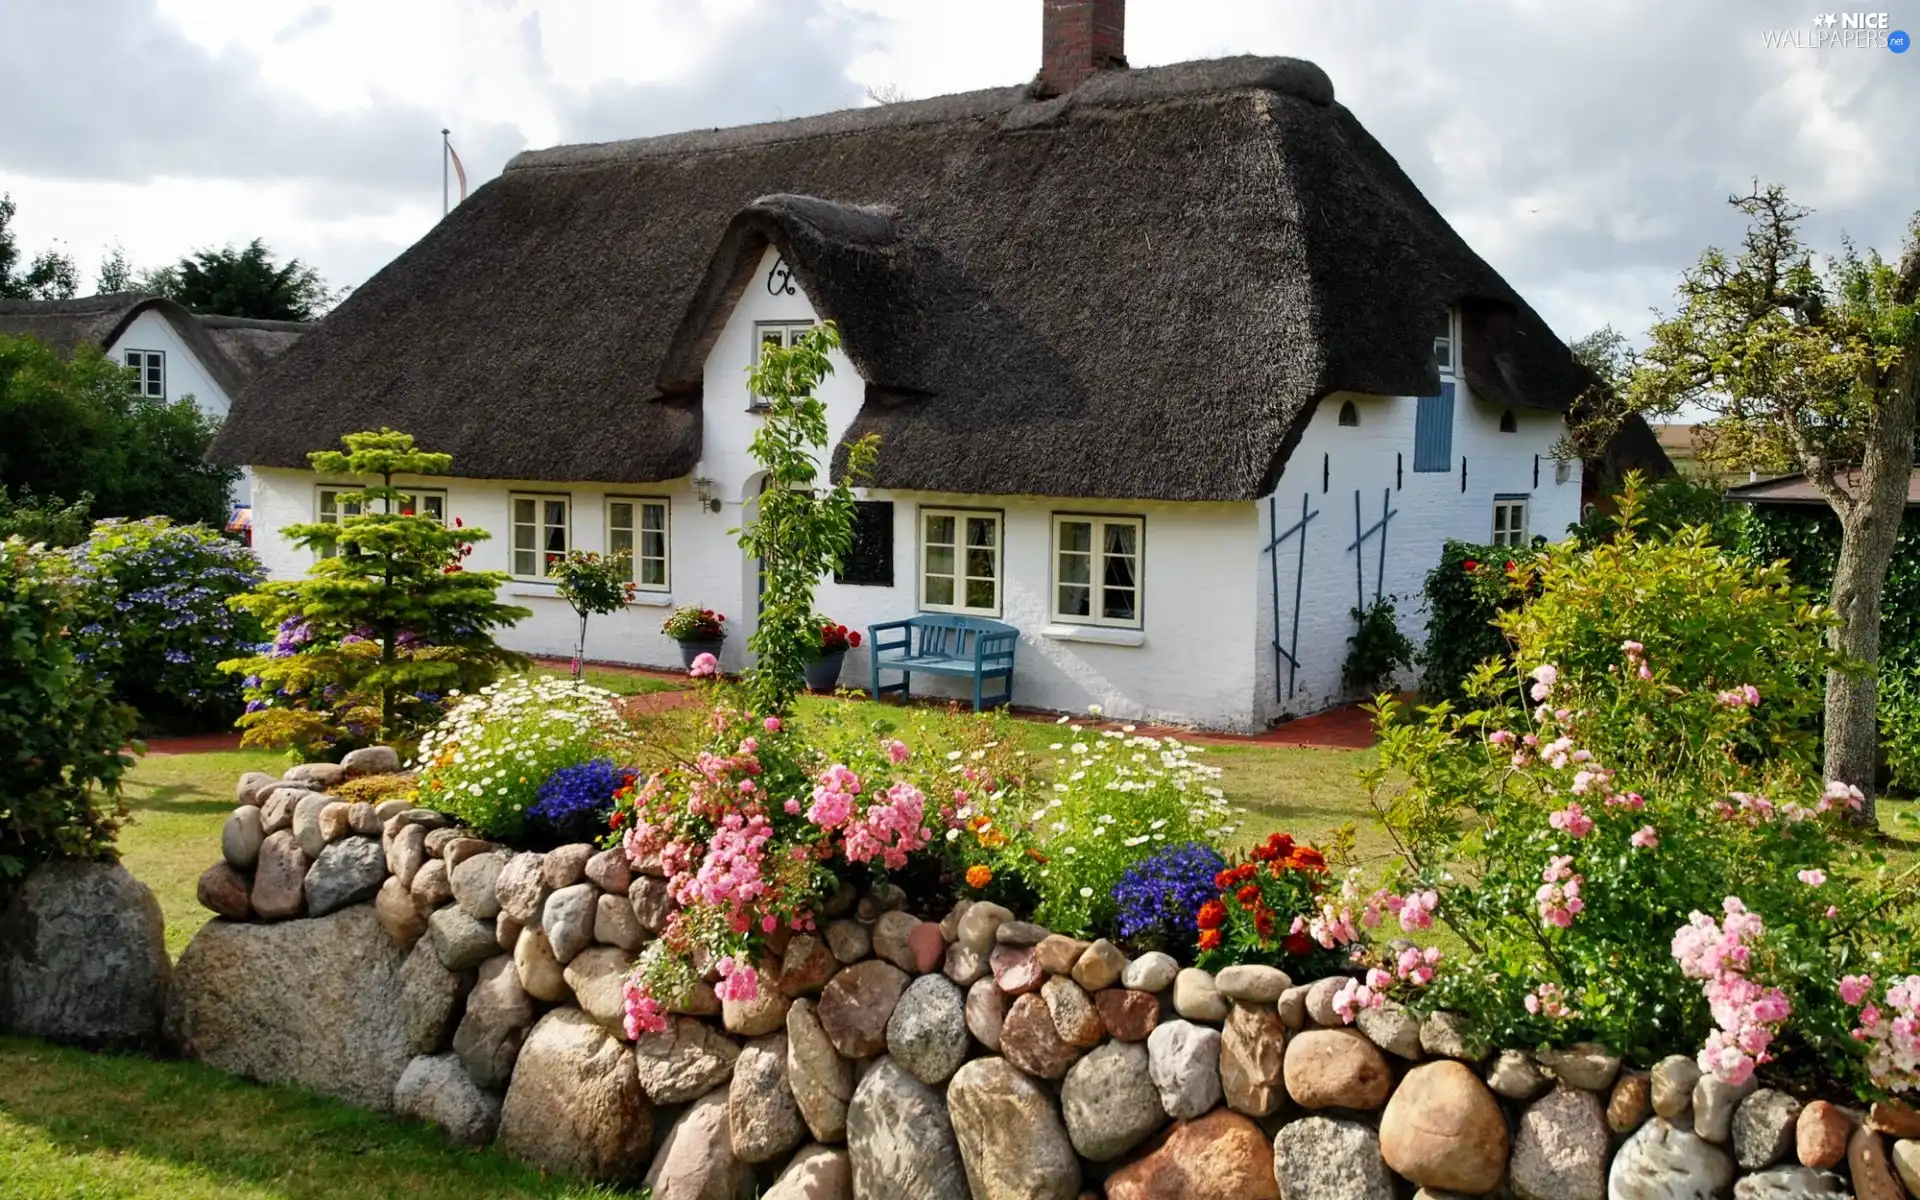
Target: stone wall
[392,959]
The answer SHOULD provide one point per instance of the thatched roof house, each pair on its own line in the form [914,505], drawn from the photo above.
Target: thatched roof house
[1135,344]
[1044,295]
[232,350]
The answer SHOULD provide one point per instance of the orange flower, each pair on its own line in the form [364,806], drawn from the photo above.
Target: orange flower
[1248,895]
[1306,858]
[1212,915]
[978,876]
[1209,939]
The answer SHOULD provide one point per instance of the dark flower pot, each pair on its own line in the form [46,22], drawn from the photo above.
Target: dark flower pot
[823,673]
[690,650]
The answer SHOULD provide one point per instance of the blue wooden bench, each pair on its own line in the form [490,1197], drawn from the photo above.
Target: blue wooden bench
[939,644]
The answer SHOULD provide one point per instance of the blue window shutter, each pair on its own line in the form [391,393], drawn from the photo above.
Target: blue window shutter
[1433,431]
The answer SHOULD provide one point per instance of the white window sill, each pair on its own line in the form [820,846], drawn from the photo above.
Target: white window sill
[1094,633]
[536,591]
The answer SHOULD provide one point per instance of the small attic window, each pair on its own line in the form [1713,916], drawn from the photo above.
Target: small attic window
[1508,423]
[1349,415]
[1445,338]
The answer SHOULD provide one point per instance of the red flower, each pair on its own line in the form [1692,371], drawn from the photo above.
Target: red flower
[1212,916]
[1224,880]
[1209,939]
[1297,943]
[853,639]
[1471,566]
[1263,923]
[1509,566]
[1248,895]
[1306,858]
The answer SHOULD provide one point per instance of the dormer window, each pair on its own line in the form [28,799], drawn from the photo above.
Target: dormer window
[1445,343]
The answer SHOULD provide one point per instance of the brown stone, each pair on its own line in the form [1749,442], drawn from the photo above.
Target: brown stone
[807,965]
[763,1014]
[279,879]
[1631,1103]
[927,946]
[1336,1068]
[1074,1017]
[651,902]
[224,891]
[457,850]
[1128,1013]
[401,914]
[986,1012]
[1221,1156]
[1821,1136]
[1444,1130]
[1894,1119]
[565,866]
[1252,1048]
[610,871]
[334,823]
[1016,969]
[1030,1041]
[1867,1164]
[857,1004]
[430,886]
[1057,953]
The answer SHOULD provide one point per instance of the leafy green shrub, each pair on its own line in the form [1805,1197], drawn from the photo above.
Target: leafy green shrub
[1665,507]
[1653,796]
[592,584]
[1377,648]
[61,731]
[52,521]
[1464,594]
[1807,540]
[157,594]
[486,759]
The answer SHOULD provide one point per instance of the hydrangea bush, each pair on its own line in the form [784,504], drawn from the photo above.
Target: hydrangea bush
[158,621]
[488,759]
[1639,850]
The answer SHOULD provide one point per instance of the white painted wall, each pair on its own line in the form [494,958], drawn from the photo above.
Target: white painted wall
[1204,655]
[1331,463]
[186,376]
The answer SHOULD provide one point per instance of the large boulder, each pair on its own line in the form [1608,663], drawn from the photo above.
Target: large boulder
[815,1173]
[1335,1068]
[575,1106]
[1010,1136]
[1221,1156]
[1110,1102]
[1560,1151]
[696,1159]
[900,1138]
[1323,1159]
[684,1061]
[499,1013]
[83,957]
[437,1089]
[1666,1162]
[320,1004]
[1444,1130]
[761,1113]
[820,1077]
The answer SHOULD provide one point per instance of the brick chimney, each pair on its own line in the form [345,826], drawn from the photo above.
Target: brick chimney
[1078,38]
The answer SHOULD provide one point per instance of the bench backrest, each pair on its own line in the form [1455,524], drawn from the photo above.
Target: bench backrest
[953,636]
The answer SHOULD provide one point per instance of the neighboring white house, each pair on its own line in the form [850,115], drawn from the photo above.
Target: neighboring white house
[1115,331]
[174,353]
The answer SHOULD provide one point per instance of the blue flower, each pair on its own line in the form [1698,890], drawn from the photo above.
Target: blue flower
[1159,896]
[576,801]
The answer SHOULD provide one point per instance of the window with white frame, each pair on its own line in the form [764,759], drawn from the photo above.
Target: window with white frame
[960,561]
[1096,570]
[1446,342]
[780,334]
[1509,520]
[425,503]
[149,373]
[638,526]
[331,505]
[542,527]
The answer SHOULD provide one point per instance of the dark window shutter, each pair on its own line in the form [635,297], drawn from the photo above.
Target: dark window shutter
[1433,431]
[870,558]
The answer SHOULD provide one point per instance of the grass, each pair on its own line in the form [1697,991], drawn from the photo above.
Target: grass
[620,683]
[79,1124]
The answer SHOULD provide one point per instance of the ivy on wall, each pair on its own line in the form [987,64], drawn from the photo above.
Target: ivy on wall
[1463,594]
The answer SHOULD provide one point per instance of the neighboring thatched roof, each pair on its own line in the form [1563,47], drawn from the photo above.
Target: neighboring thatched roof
[233,349]
[1633,447]
[1139,289]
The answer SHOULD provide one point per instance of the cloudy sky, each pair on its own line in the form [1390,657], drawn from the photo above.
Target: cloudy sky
[1585,147]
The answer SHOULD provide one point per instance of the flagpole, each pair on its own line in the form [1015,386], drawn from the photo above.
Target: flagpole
[443,173]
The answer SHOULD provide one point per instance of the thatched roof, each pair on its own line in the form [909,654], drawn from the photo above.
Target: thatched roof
[1139,289]
[233,349]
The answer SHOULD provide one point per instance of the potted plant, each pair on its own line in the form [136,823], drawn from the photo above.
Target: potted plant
[698,630]
[823,672]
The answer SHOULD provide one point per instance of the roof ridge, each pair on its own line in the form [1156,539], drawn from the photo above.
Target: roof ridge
[1132,86]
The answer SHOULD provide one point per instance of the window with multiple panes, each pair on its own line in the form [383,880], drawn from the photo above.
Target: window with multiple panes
[1445,343]
[426,504]
[541,533]
[149,373]
[782,334]
[869,560]
[1509,520]
[1096,570]
[960,561]
[1433,415]
[331,505]
[639,526]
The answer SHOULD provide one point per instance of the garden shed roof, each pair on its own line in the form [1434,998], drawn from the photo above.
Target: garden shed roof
[1798,489]
[1138,289]
[233,349]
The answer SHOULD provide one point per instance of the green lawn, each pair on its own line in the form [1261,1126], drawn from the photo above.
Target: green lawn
[620,683]
[78,1124]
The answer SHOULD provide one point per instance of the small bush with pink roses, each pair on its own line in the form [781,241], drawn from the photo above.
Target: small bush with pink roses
[1642,853]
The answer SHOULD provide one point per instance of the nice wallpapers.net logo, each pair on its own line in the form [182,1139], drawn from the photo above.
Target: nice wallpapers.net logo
[1842,31]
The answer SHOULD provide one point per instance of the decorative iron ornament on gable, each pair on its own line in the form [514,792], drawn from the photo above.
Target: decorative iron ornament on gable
[780,277]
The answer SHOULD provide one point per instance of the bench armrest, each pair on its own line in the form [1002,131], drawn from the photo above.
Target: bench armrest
[876,642]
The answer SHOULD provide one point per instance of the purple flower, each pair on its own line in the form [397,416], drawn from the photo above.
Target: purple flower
[1159,896]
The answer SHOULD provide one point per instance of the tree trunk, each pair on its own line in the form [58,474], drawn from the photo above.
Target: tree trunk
[580,648]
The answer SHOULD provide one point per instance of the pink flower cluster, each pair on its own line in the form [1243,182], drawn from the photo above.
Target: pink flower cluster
[1559,896]
[1572,820]
[739,982]
[644,1014]
[1744,696]
[1415,909]
[729,875]
[1354,996]
[1544,677]
[1549,1001]
[1636,658]
[1332,923]
[1415,965]
[1749,1015]
[892,827]
[705,666]
[1892,1034]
